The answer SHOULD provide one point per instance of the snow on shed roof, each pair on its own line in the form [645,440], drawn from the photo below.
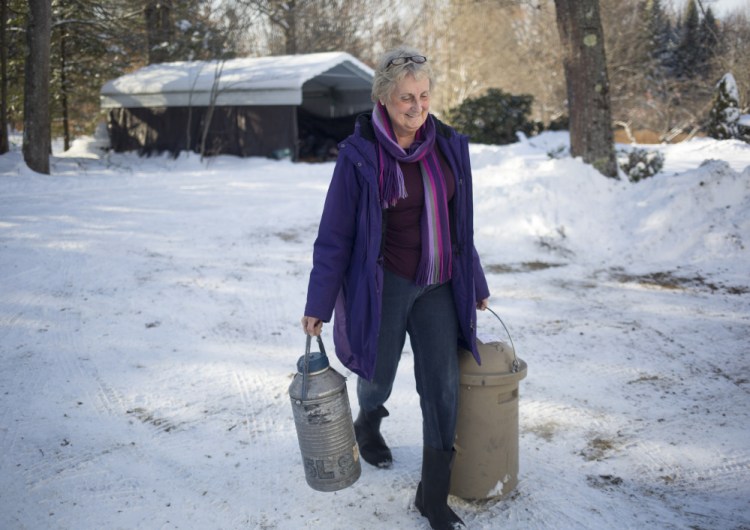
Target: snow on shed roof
[276,80]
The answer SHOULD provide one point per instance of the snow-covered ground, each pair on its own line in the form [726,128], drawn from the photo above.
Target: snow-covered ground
[149,330]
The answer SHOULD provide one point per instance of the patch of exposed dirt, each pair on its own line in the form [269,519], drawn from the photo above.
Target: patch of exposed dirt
[147,417]
[525,266]
[288,236]
[599,448]
[671,280]
[603,482]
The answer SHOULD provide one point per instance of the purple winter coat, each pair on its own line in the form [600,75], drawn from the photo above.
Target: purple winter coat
[347,271]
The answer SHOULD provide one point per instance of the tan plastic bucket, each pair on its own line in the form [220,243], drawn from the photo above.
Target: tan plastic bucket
[486,463]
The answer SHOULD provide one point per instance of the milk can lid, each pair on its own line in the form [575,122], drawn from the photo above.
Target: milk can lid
[317,362]
[497,356]
[496,369]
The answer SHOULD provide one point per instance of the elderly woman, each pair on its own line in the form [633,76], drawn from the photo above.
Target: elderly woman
[395,254]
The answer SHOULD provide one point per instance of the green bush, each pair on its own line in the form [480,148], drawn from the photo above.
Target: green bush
[639,164]
[559,123]
[493,118]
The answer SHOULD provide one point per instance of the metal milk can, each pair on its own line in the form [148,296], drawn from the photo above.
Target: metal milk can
[323,419]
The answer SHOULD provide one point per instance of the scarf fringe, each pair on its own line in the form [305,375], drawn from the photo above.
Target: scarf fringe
[435,262]
[392,186]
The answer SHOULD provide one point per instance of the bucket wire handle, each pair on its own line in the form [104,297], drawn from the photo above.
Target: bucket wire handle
[515,365]
[307,362]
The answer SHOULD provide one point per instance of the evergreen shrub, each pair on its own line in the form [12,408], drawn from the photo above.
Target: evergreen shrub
[639,164]
[725,112]
[494,118]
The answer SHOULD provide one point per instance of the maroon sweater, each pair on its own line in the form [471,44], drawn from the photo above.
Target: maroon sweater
[403,238]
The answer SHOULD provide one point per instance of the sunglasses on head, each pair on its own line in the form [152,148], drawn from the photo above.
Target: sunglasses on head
[398,61]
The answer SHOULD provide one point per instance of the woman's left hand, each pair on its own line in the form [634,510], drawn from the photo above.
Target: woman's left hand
[483,304]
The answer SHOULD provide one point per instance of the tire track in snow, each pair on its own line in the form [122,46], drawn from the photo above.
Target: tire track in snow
[698,483]
[9,322]
[694,472]
[70,461]
[261,398]
[66,466]
[42,333]
[58,467]
[21,376]
[249,424]
[110,401]
[267,435]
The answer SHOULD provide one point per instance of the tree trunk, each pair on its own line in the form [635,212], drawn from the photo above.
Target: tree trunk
[585,66]
[209,115]
[159,31]
[4,143]
[64,90]
[36,116]
[291,28]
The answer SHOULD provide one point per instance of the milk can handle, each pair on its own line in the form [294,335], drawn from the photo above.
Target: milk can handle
[515,365]
[306,369]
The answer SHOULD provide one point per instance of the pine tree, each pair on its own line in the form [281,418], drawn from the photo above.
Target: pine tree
[197,34]
[658,29]
[709,43]
[688,50]
[97,40]
[80,61]
[12,59]
[725,111]
[654,31]
[4,141]
[159,30]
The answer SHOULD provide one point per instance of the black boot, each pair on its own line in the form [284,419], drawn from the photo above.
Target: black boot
[372,447]
[432,492]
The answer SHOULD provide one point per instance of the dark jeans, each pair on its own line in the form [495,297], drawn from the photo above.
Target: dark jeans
[428,314]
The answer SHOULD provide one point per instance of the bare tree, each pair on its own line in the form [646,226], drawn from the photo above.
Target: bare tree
[457,50]
[189,128]
[514,51]
[282,14]
[208,117]
[585,64]
[630,66]
[537,62]
[360,27]
[36,130]
[736,57]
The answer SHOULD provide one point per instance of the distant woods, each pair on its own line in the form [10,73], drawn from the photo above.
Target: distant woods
[663,65]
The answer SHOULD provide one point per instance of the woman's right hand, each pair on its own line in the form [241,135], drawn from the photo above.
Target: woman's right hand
[312,326]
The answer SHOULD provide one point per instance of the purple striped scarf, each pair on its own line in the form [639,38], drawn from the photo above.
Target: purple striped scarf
[435,262]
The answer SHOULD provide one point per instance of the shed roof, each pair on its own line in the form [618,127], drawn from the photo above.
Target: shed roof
[276,80]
